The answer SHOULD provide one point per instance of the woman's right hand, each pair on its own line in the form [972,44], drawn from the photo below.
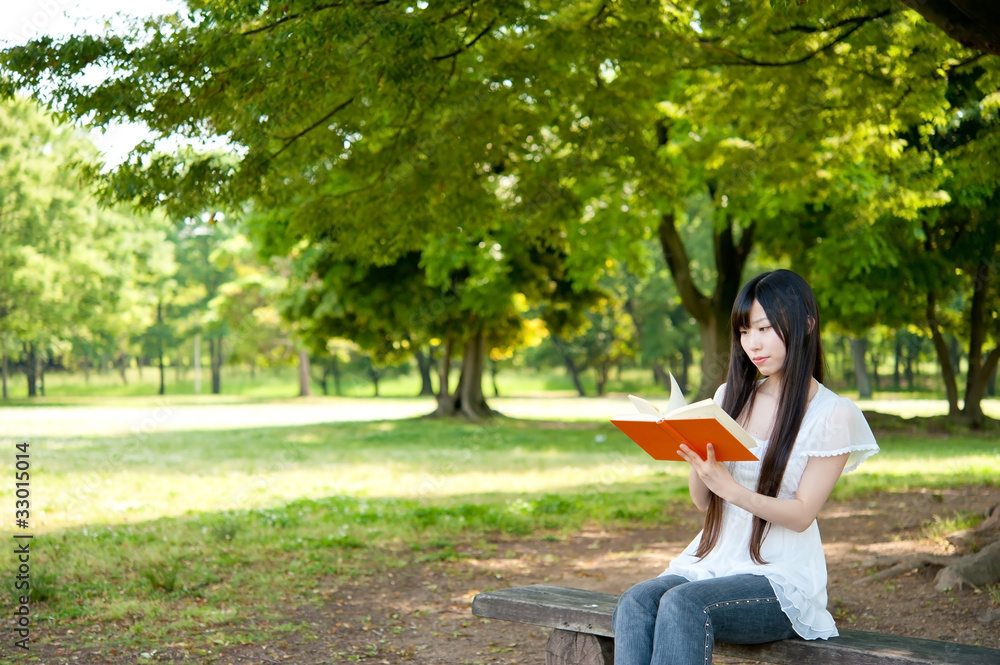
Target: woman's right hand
[707,475]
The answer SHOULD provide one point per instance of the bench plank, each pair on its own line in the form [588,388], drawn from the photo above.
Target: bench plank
[590,612]
[550,606]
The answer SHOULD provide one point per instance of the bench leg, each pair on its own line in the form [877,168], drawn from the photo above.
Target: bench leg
[567,647]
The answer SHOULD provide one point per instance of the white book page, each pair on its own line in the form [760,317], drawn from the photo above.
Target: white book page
[676,401]
[676,396]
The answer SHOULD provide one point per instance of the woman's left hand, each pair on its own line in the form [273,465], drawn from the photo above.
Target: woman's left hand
[711,472]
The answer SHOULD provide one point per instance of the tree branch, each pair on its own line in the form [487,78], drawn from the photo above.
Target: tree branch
[290,17]
[812,29]
[944,358]
[744,247]
[680,267]
[454,53]
[968,61]
[992,359]
[752,62]
[292,139]
[603,8]
[314,10]
[457,12]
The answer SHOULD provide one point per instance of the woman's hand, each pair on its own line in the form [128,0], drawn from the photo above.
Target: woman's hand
[712,474]
[797,514]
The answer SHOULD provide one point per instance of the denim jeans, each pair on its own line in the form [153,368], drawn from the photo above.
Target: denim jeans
[671,621]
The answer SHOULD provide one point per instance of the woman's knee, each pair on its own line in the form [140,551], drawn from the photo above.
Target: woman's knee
[683,600]
[643,598]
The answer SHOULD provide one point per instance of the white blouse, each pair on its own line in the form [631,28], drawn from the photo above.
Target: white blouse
[796,564]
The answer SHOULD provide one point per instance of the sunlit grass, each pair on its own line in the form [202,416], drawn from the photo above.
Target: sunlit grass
[922,407]
[113,480]
[174,535]
[941,526]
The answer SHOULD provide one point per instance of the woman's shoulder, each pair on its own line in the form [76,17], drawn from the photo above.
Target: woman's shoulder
[836,425]
[828,402]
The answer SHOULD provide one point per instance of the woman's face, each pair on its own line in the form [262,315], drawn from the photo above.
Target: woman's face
[761,342]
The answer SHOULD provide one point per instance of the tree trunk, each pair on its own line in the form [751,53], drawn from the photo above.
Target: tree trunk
[975,391]
[976,386]
[494,370]
[31,369]
[574,371]
[159,347]
[40,359]
[687,359]
[978,569]
[5,371]
[711,312]
[844,359]
[980,368]
[447,403]
[215,350]
[163,381]
[601,373]
[858,347]
[943,356]
[122,365]
[981,569]
[955,353]
[304,387]
[660,376]
[715,341]
[324,379]
[335,370]
[876,359]
[196,363]
[424,365]
[897,360]
[467,399]
[472,402]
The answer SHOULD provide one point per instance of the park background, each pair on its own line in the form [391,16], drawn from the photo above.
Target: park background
[336,219]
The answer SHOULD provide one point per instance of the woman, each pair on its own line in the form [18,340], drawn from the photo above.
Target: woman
[756,573]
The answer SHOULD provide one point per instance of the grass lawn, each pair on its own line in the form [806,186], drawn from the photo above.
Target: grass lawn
[174,535]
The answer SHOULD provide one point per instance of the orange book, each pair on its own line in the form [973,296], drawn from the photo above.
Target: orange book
[661,433]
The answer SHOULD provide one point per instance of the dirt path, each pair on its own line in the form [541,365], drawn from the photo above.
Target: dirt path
[421,613]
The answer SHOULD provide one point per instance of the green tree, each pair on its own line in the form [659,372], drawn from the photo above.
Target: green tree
[392,310]
[585,128]
[68,275]
[931,266]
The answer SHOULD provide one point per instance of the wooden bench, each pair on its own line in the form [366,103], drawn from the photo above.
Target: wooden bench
[583,636]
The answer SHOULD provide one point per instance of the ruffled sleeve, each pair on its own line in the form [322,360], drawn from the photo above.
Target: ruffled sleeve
[720,394]
[837,429]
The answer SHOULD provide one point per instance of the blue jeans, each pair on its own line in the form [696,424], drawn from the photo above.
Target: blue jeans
[671,621]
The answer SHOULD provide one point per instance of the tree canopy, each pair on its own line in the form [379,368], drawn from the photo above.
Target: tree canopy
[375,136]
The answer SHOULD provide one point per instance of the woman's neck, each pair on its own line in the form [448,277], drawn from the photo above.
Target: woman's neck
[772,387]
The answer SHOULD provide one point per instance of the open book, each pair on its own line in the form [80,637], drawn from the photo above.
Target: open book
[660,433]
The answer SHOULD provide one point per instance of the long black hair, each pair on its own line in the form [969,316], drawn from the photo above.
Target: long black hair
[791,309]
